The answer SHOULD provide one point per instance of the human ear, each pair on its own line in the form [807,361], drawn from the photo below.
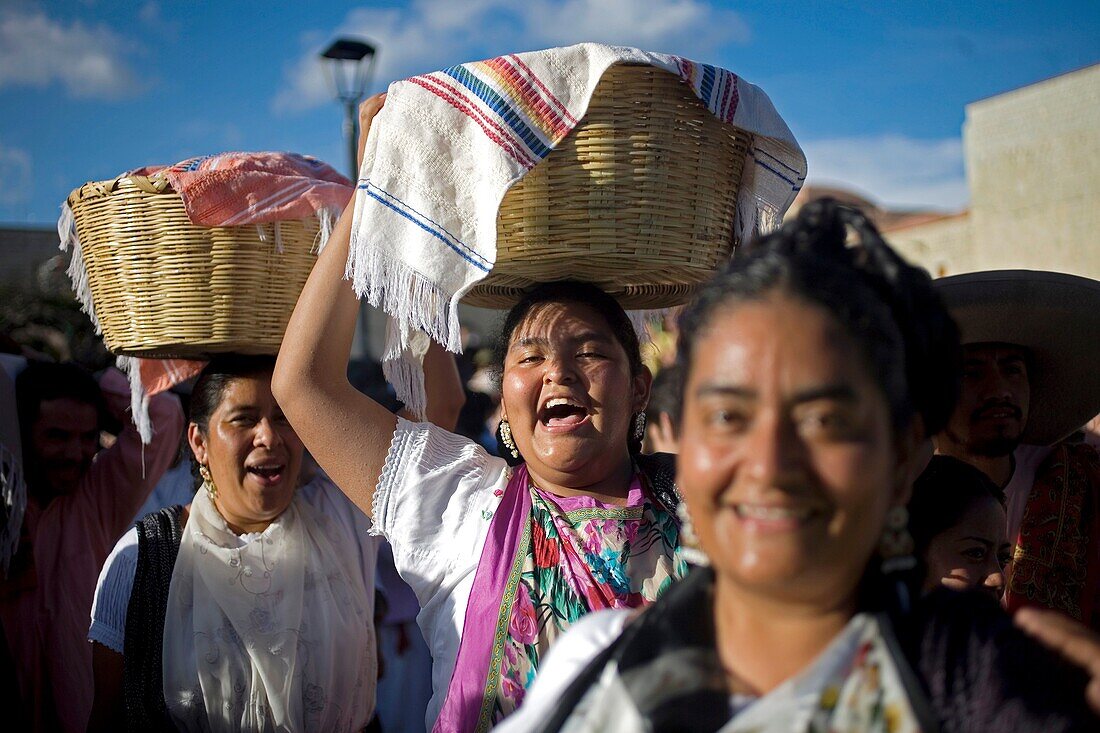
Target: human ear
[914,451]
[197,442]
[641,384]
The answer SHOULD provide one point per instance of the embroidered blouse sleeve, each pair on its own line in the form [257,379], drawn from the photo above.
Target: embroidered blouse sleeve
[112,594]
[434,501]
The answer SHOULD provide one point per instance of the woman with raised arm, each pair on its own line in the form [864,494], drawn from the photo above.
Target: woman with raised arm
[812,372]
[502,559]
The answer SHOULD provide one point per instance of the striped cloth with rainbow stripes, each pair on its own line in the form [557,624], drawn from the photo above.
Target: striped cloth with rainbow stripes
[446,147]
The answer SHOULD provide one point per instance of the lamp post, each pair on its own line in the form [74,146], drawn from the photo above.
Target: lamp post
[349,63]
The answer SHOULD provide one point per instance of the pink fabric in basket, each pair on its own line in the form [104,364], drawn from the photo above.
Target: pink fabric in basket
[233,189]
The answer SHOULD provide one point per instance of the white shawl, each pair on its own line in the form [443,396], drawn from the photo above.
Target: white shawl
[268,632]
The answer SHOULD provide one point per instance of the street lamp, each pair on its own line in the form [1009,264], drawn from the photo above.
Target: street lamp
[349,64]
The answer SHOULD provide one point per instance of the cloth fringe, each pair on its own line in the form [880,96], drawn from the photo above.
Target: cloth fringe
[327,220]
[13,492]
[139,400]
[405,371]
[418,310]
[78,274]
[414,301]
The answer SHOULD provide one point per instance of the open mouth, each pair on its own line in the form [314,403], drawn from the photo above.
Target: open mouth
[268,473]
[562,413]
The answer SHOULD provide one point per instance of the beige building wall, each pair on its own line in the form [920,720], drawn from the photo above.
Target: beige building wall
[1033,168]
[1033,165]
[943,247]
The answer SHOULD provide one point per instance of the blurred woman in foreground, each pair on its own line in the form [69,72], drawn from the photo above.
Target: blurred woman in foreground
[812,373]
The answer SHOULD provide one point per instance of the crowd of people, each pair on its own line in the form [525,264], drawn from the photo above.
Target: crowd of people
[854,498]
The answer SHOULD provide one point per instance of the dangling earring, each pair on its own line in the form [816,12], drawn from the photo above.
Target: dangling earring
[896,546]
[506,437]
[689,541]
[208,482]
[639,426]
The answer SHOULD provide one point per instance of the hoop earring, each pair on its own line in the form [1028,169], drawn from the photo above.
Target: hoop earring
[505,431]
[896,546]
[689,541]
[639,426]
[208,482]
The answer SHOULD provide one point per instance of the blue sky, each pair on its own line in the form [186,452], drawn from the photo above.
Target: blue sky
[875,91]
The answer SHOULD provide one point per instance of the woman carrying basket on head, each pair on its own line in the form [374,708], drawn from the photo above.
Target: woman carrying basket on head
[251,608]
[503,559]
[511,556]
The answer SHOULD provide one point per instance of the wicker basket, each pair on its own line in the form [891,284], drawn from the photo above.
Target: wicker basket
[164,287]
[639,198]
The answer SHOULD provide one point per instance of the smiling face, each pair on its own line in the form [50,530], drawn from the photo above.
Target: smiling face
[253,454]
[973,553]
[568,393]
[993,404]
[788,459]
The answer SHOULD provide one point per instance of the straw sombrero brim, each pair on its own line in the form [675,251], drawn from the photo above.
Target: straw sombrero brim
[1057,318]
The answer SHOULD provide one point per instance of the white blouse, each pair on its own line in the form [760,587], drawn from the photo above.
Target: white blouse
[434,503]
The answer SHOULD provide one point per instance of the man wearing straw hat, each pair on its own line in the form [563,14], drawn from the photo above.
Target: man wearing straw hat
[1031,353]
[79,500]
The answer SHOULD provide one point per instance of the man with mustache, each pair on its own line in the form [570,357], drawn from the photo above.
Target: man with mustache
[79,500]
[1029,381]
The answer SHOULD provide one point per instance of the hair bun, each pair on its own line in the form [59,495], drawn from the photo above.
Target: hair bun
[933,355]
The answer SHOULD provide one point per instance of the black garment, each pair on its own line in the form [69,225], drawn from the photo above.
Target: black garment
[964,666]
[660,470]
[159,536]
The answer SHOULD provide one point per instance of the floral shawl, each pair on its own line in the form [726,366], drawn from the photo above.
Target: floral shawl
[548,561]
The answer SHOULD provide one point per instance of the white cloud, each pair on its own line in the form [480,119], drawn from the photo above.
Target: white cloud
[432,34]
[893,169]
[36,50]
[15,175]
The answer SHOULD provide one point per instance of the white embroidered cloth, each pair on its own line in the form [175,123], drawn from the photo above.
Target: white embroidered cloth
[447,146]
[276,634]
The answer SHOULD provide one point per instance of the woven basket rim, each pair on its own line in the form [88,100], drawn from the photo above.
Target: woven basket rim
[156,183]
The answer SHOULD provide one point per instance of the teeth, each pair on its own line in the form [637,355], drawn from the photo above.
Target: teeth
[560,401]
[771,512]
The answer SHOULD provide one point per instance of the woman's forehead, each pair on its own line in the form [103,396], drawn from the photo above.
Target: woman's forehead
[796,346]
[247,390]
[561,320]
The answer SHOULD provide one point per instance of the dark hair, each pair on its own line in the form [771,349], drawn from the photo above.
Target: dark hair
[664,395]
[41,381]
[942,494]
[209,390]
[908,341]
[569,291]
